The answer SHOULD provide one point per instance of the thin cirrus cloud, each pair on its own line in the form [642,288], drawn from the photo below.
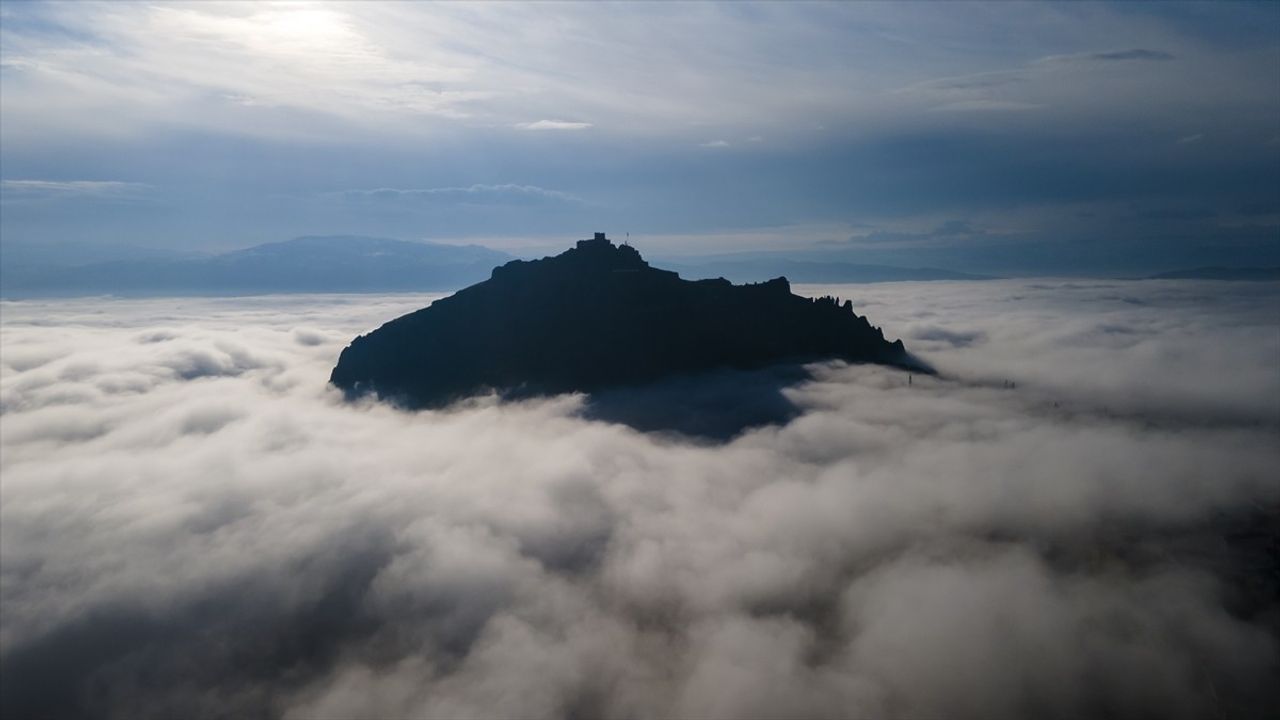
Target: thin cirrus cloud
[968,82]
[1134,54]
[1031,86]
[1003,78]
[177,470]
[508,192]
[554,125]
[986,106]
[412,68]
[53,189]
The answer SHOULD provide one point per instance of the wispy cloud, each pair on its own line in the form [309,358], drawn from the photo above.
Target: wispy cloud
[946,232]
[554,125]
[414,68]
[1046,81]
[469,193]
[1190,139]
[714,144]
[52,189]
[976,81]
[1112,56]
[986,106]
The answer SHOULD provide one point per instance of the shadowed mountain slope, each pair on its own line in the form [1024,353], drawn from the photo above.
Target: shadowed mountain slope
[596,317]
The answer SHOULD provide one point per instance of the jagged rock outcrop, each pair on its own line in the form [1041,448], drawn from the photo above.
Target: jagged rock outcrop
[594,317]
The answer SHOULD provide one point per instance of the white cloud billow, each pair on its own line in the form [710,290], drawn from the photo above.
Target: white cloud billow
[184,497]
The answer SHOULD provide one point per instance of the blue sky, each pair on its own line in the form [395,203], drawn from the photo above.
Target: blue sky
[1037,138]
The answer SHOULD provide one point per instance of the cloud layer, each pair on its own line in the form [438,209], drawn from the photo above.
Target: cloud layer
[1054,126]
[1065,523]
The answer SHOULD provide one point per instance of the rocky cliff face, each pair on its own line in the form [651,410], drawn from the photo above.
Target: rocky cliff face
[594,317]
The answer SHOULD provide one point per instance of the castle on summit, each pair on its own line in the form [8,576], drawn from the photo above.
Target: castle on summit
[600,244]
[594,317]
[621,258]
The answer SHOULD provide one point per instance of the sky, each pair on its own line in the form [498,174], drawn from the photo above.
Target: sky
[193,523]
[1008,138]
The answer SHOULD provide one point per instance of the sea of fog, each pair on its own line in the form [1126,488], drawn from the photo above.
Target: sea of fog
[1075,518]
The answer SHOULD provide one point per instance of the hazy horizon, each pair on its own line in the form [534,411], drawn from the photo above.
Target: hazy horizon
[996,138]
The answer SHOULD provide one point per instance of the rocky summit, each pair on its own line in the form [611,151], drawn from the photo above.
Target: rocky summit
[595,317]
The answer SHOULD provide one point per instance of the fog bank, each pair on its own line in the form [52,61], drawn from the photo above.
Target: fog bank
[1075,518]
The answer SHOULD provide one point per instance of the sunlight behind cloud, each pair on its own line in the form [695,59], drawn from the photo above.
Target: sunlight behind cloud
[414,67]
[306,27]
[308,56]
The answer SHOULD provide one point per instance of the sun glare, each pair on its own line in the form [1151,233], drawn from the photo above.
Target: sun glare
[299,26]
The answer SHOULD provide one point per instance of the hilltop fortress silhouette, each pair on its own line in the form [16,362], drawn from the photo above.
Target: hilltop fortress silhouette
[596,317]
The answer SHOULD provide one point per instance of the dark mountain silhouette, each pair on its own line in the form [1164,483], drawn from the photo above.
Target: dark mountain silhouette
[338,263]
[1220,273]
[598,317]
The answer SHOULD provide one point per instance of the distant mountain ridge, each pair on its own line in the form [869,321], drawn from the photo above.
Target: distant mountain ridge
[596,317]
[757,269]
[326,263]
[1220,273]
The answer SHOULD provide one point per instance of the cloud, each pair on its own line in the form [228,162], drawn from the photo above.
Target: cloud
[58,189]
[1190,139]
[987,106]
[714,144]
[1111,56]
[554,125]
[1072,83]
[954,338]
[947,232]
[956,227]
[336,95]
[193,524]
[508,192]
[976,81]
[1135,54]
[339,68]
